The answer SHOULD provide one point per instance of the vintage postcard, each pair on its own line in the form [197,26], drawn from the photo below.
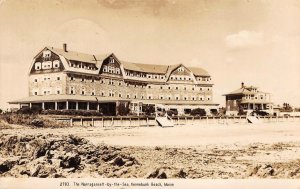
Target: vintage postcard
[149,94]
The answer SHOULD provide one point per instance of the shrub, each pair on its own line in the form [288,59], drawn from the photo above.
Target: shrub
[123,110]
[149,109]
[27,110]
[172,112]
[198,112]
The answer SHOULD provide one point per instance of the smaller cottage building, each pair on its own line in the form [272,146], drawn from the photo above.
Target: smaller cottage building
[248,99]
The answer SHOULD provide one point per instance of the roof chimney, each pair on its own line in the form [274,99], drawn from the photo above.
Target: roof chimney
[65,47]
[242,84]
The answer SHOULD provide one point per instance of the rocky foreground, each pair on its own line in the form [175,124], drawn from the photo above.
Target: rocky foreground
[71,156]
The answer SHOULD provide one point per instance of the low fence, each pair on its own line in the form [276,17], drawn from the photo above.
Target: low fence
[135,121]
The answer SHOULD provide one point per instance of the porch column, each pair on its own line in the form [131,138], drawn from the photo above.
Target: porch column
[30,105]
[76,105]
[88,106]
[248,106]
[253,106]
[67,105]
[98,107]
[55,105]
[43,105]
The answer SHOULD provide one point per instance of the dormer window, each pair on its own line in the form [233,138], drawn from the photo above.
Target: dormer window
[181,69]
[37,66]
[47,54]
[111,60]
[55,63]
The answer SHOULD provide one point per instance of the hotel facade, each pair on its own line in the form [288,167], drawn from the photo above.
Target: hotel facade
[66,80]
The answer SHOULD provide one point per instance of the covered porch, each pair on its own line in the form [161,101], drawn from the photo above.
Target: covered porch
[70,102]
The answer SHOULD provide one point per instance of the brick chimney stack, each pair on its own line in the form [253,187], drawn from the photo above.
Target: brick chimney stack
[65,47]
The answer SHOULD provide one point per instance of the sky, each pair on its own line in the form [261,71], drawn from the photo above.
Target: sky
[252,41]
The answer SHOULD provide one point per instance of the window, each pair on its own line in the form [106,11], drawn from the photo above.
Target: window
[120,83]
[72,78]
[120,95]
[111,60]
[193,88]
[149,97]
[161,97]
[208,89]
[35,93]
[169,88]
[37,66]
[177,97]
[176,88]
[135,96]
[58,92]
[82,92]
[185,98]
[102,93]
[72,90]
[93,80]
[181,69]
[35,80]
[128,95]
[104,68]
[161,87]
[55,63]
[82,79]
[149,86]
[200,89]
[58,78]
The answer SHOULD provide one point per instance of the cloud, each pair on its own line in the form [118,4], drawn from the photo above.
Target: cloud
[244,39]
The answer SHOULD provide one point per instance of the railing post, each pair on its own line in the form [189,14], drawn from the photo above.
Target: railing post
[81,122]
[92,122]
[147,121]
[71,122]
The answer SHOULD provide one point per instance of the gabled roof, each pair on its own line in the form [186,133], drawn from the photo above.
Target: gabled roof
[171,68]
[98,60]
[240,91]
[198,71]
[73,55]
[152,68]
